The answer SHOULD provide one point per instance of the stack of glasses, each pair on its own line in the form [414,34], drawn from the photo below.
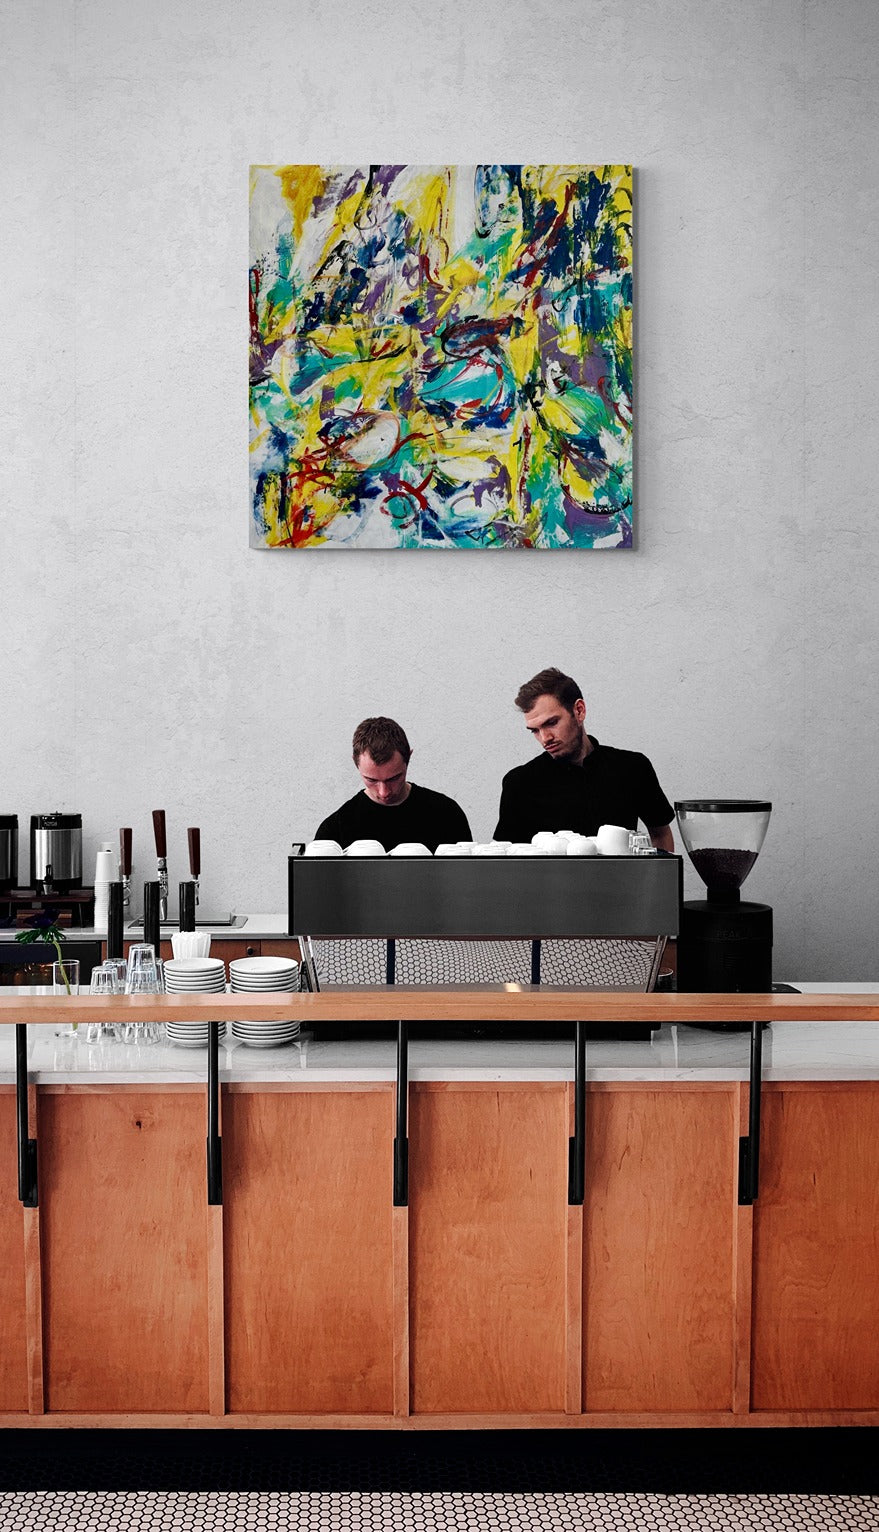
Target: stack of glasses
[141,975]
[193,976]
[260,976]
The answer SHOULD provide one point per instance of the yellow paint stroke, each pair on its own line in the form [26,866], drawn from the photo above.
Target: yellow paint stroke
[301,185]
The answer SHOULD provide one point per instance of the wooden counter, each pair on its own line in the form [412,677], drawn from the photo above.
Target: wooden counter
[307,1299]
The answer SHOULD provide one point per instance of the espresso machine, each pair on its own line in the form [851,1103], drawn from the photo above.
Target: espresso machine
[725,942]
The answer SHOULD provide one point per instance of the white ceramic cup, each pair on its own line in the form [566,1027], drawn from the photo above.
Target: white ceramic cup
[583,845]
[553,845]
[526,848]
[323,848]
[612,840]
[365,848]
[409,848]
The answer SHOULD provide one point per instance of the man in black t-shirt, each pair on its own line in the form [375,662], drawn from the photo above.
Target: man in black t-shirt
[391,809]
[576,783]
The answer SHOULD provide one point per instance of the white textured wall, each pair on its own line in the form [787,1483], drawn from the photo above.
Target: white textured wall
[149,658]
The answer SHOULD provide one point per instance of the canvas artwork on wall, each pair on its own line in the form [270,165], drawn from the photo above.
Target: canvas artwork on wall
[441,356]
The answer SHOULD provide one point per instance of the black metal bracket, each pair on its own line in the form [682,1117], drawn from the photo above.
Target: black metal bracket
[749,1148]
[27,1147]
[401,1141]
[577,1144]
[214,1141]
[535,962]
[391,961]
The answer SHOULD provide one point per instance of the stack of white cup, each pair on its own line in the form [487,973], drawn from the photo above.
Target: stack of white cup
[106,872]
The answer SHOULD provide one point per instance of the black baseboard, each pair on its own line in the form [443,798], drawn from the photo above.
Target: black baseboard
[828,1460]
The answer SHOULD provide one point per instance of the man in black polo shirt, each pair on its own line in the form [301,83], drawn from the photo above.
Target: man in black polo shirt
[390,808]
[577,783]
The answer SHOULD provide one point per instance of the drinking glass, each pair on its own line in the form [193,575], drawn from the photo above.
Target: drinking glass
[144,980]
[65,977]
[141,961]
[65,981]
[103,982]
[119,967]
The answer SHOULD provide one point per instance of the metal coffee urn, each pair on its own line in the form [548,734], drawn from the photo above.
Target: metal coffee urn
[725,943]
[56,852]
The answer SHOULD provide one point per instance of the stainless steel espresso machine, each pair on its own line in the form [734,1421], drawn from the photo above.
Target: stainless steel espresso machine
[571,922]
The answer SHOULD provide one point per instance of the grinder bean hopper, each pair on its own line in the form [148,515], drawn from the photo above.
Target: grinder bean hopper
[725,943]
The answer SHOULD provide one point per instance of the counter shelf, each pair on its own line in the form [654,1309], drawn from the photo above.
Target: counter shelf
[402,1005]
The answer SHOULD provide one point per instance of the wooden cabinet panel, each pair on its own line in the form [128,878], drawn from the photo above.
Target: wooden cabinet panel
[658,1249]
[220,947]
[123,1218]
[307,1179]
[230,950]
[280,946]
[816,1249]
[487,1229]
[13,1323]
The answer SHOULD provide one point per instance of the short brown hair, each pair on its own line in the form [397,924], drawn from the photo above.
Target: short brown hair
[549,683]
[380,738]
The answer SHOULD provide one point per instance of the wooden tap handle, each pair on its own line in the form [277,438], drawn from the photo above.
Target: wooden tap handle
[194,838]
[159,832]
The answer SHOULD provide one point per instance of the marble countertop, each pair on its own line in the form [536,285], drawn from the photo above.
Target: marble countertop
[791,1051]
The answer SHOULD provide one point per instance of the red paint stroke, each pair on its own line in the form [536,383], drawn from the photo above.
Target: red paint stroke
[413,493]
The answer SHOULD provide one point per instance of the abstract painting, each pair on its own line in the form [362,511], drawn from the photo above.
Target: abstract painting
[441,356]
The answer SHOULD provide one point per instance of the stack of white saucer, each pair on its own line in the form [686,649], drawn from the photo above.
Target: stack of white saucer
[193,976]
[260,976]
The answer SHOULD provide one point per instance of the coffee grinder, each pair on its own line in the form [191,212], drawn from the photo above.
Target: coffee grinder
[725,943]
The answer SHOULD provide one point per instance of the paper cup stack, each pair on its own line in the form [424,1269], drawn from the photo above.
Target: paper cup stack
[193,976]
[261,976]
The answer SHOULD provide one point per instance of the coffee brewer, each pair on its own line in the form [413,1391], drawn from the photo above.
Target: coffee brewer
[725,943]
[56,852]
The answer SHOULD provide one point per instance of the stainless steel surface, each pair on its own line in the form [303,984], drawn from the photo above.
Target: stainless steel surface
[57,856]
[233,922]
[162,867]
[536,898]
